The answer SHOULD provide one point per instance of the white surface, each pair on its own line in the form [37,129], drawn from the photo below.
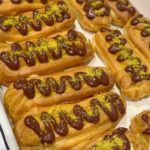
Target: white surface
[133,108]
[143,6]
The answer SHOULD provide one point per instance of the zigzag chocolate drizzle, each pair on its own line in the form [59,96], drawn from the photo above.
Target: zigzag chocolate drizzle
[136,69]
[73,45]
[29,1]
[114,105]
[116,141]
[124,5]
[145,32]
[146,119]
[57,12]
[45,87]
[94,8]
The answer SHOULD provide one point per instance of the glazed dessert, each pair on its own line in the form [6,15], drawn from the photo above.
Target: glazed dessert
[54,17]
[43,55]
[92,14]
[71,84]
[140,131]
[121,11]
[13,7]
[138,31]
[131,69]
[66,125]
[111,140]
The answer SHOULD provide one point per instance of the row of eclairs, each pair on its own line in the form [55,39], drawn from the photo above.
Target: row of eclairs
[54,99]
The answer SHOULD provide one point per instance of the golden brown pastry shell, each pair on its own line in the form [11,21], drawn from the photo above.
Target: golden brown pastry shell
[128,88]
[139,140]
[9,8]
[27,139]
[16,103]
[87,24]
[7,75]
[134,34]
[13,35]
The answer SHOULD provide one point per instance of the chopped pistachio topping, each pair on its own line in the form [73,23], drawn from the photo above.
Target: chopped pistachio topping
[56,111]
[38,16]
[54,9]
[95,3]
[116,39]
[104,101]
[123,1]
[109,144]
[90,113]
[147,29]
[10,21]
[46,118]
[125,53]
[134,61]
[99,12]
[16,53]
[30,49]
[53,44]
[94,72]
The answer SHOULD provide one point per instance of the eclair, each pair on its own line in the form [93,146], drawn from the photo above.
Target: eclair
[138,31]
[92,14]
[140,131]
[121,11]
[54,17]
[64,126]
[13,7]
[131,68]
[137,137]
[113,139]
[43,55]
[71,84]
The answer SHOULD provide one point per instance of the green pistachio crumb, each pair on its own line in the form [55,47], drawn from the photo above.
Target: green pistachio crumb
[109,144]
[104,101]
[10,21]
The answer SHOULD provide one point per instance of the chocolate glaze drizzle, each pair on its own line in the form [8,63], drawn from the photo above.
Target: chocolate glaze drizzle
[119,133]
[29,1]
[72,45]
[94,79]
[57,12]
[136,69]
[124,5]
[80,115]
[94,8]
[145,32]
[146,119]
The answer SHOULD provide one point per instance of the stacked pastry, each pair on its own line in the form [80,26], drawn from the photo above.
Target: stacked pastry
[55,107]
